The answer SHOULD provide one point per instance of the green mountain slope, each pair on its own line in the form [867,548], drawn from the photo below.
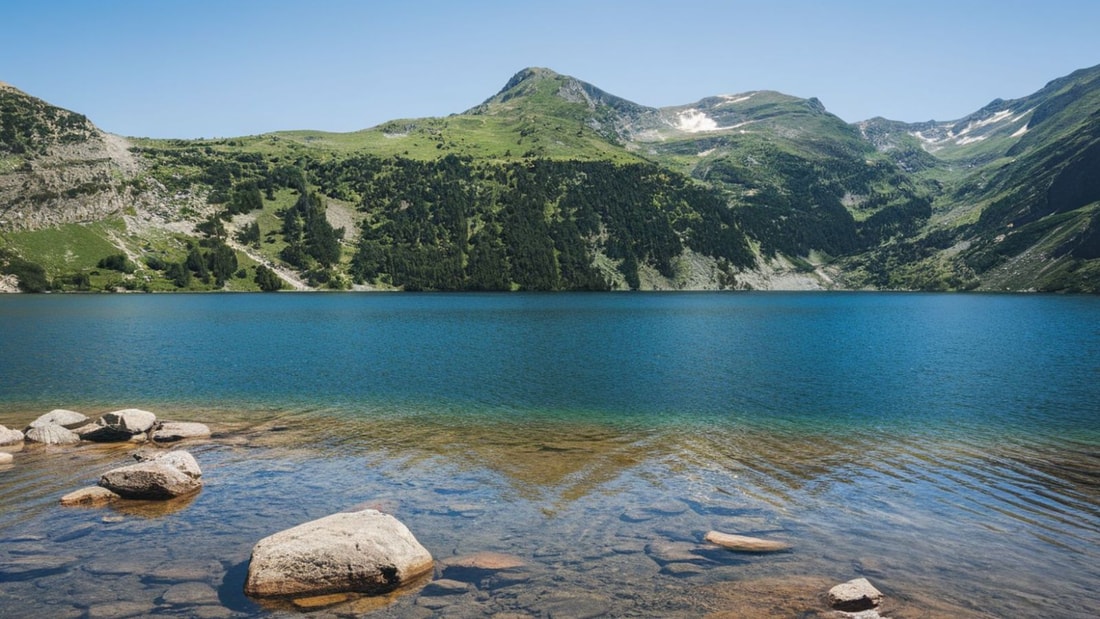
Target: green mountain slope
[554,184]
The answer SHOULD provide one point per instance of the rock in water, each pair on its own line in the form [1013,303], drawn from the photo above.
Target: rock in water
[854,596]
[6,458]
[366,552]
[51,434]
[173,474]
[10,437]
[119,426]
[70,420]
[743,543]
[92,496]
[170,431]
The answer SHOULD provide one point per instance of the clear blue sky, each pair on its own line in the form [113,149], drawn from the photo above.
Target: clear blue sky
[215,68]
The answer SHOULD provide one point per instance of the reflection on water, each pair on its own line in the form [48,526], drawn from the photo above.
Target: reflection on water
[606,518]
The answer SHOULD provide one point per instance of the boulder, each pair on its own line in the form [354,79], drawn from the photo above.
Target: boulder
[365,552]
[743,543]
[120,425]
[6,458]
[171,431]
[855,596]
[51,434]
[91,497]
[173,474]
[70,420]
[10,437]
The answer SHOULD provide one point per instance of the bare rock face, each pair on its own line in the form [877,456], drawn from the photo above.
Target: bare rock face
[51,434]
[855,596]
[120,425]
[743,543]
[10,437]
[171,431]
[365,552]
[70,420]
[173,474]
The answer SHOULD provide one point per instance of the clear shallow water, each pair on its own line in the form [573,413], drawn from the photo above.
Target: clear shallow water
[945,446]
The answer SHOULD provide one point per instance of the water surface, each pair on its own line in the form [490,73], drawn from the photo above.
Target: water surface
[944,446]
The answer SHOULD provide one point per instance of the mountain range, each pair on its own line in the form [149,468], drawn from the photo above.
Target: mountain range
[554,184]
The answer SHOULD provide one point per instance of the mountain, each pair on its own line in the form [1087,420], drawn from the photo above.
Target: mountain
[553,183]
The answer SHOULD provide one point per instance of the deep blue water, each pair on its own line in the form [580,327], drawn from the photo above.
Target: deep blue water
[931,362]
[951,442]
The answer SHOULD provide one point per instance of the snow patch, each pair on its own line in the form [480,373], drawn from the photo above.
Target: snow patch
[969,140]
[695,121]
[729,99]
[1020,131]
[707,151]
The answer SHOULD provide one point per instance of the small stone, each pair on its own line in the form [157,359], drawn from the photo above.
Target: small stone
[682,569]
[9,436]
[445,586]
[672,552]
[855,596]
[743,543]
[65,418]
[171,431]
[485,560]
[91,497]
[190,594]
[51,434]
[6,458]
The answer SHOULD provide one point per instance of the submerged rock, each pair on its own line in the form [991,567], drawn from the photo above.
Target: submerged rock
[91,497]
[120,425]
[173,474]
[855,596]
[365,552]
[171,431]
[6,458]
[70,420]
[743,543]
[51,434]
[9,436]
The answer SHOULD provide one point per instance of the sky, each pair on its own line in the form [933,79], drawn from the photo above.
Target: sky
[224,68]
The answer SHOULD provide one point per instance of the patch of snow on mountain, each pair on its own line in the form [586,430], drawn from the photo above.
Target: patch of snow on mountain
[1020,131]
[735,98]
[707,152]
[695,121]
[968,140]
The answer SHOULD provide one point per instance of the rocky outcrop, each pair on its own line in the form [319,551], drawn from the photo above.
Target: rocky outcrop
[173,474]
[855,596]
[365,552]
[51,434]
[171,431]
[743,543]
[9,436]
[70,420]
[118,426]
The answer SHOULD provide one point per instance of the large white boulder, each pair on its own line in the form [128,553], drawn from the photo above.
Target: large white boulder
[9,436]
[70,420]
[366,552]
[172,474]
[51,434]
[118,426]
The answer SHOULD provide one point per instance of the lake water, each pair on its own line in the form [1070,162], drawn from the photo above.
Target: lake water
[946,447]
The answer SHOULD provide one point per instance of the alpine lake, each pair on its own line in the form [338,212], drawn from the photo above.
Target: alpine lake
[944,446]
